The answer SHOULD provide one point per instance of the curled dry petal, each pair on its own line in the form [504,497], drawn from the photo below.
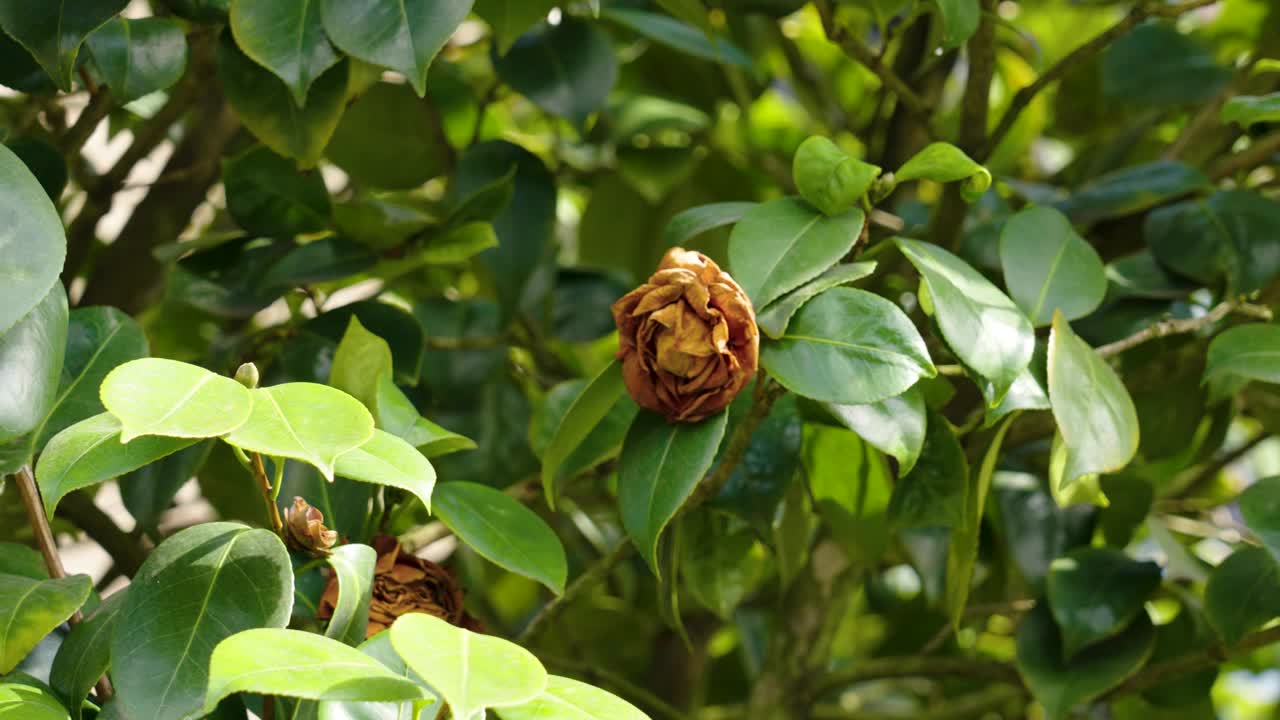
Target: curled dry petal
[688,339]
[305,530]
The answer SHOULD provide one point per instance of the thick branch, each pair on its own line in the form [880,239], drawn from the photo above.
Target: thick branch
[859,52]
[1165,328]
[918,666]
[1161,673]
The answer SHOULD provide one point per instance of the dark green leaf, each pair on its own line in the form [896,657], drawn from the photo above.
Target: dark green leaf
[397,415]
[1131,190]
[688,224]
[33,245]
[1095,593]
[509,19]
[1260,506]
[199,587]
[31,609]
[31,356]
[138,57]
[759,482]
[85,655]
[566,69]
[680,36]
[585,413]
[148,492]
[21,560]
[390,139]
[1233,234]
[318,261]
[267,195]
[962,551]
[53,32]
[720,568]
[959,20]
[774,319]
[1155,65]
[1243,593]
[404,36]
[1048,267]
[44,161]
[934,492]
[287,38]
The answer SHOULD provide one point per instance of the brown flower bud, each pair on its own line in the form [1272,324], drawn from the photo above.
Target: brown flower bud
[304,529]
[688,338]
[404,583]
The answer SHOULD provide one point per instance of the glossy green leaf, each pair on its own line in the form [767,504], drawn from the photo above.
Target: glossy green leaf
[21,560]
[31,357]
[781,244]
[31,609]
[53,32]
[404,36]
[1245,352]
[32,242]
[959,20]
[1095,593]
[504,531]
[894,426]
[688,224]
[1140,275]
[934,492]
[1060,685]
[385,459]
[680,36]
[568,699]
[287,38]
[962,551]
[660,465]
[1260,507]
[304,421]
[1243,593]
[1030,390]
[155,396]
[777,316]
[266,105]
[379,648]
[1233,233]
[828,177]
[85,655]
[982,325]
[360,362]
[267,195]
[139,56]
[27,702]
[353,566]
[1048,267]
[1094,412]
[389,138]
[1157,65]
[850,347]
[945,163]
[199,587]
[459,244]
[91,452]
[297,664]
[509,19]
[317,261]
[470,672]
[397,415]
[1247,110]
[1130,190]
[566,69]
[769,466]
[398,327]
[587,410]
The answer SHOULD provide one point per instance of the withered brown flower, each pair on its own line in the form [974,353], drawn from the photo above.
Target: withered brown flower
[404,583]
[304,528]
[688,338]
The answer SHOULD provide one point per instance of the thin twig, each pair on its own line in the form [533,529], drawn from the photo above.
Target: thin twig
[467,343]
[1079,56]
[1165,328]
[1163,672]
[1256,154]
[591,577]
[917,666]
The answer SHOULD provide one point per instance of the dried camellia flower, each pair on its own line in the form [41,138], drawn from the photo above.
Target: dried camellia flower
[304,528]
[688,338]
[404,583]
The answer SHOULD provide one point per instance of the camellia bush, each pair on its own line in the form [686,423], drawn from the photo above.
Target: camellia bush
[625,359]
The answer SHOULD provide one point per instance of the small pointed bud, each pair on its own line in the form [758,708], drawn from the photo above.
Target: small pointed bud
[304,529]
[247,375]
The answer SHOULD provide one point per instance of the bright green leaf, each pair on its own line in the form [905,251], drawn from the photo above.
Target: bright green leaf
[1245,352]
[31,357]
[1248,110]
[360,362]
[385,459]
[397,415]
[828,177]
[353,566]
[962,551]
[379,648]
[31,609]
[155,396]
[775,318]
[894,426]
[945,163]
[1048,267]
[33,243]
[960,20]
[27,702]
[586,411]
[304,421]
[567,699]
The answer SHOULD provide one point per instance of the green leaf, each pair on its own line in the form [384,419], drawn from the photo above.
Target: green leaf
[1243,353]
[509,19]
[1157,65]
[1048,267]
[31,357]
[660,465]
[851,486]
[1029,390]
[318,261]
[894,426]
[1131,190]
[1247,110]
[1061,685]
[934,492]
[403,36]
[267,195]
[389,138]
[781,244]
[828,177]
[1095,593]
[567,699]
[945,163]
[304,421]
[504,531]
[26,702]
[459,244]
[53,32]
[588,409]
[1260,507]
[959,20]
[1095,415]
[680,36]
[85,655]
[688,224]
[379,648]
[287,38]
[399,328]
[850,347]
[982,326]
[566,69]
[962,551]
[266,107]
[44,161]
[360,362]
[768,468]
[1233,234]
[720,567]
[297,664]
[353,566]
[33,245]
[21,560]
[397,415]
[385,459]
[199,587]
[155,396]
[777,316]
[140,56]
[31,609]
[91,452]
[1243,593]
[470,672]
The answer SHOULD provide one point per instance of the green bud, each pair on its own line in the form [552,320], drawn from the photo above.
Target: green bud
[829,178]
[247,375]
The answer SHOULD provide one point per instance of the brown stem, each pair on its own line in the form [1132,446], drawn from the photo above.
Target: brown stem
[1256,154]
[918,666]
[93,113]
[1161,673]
[1166,328]
[264,484]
